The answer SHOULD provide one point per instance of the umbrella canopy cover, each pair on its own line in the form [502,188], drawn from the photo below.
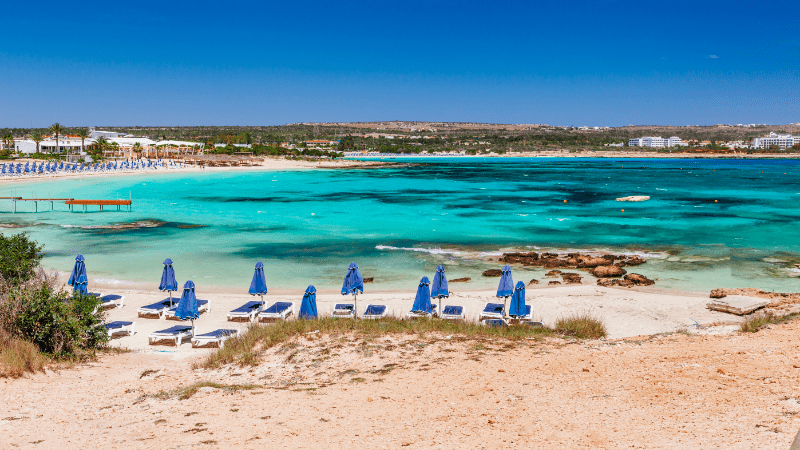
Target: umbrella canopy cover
[78,279]
[517,307]
[506,286]
[439,286]
[259,284]
[423,300]
[308,309]
[353,282]
[168,281]
[187,306]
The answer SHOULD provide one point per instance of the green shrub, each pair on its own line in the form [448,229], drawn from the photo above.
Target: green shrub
[51,320]
[581,325]
[19,258]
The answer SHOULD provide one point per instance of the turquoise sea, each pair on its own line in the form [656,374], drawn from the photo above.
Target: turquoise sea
[399,223]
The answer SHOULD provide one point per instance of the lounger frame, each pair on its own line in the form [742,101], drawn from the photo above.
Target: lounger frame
[148,311]
[493,314]
[177,337]
[422,314]
[372,312]
[129,328]
[201,340]
[344,311]
[118,302]
[250,314]
[265,314]
[201,308]
[445,315]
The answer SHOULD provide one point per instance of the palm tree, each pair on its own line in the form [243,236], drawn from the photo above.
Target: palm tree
[36,136]
[57,129]
[82,133]
[137,148]
[8,140]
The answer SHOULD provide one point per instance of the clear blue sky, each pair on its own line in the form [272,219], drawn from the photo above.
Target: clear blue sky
[564,62]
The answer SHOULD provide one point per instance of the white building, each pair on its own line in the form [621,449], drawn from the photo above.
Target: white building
[656,142]
[781,140]
[105,134]
[68,145]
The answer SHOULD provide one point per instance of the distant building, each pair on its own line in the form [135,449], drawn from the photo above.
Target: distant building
[234,145]
[68,145]
[94,134]
[783,141]
[656,142]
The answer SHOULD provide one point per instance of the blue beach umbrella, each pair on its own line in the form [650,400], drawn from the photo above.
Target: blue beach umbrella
[259,284]
[506,287]
[78,278]
[353,283]
[308,309]
[517,307]
[422,302]
[439,286]
[168,281]
[187,305]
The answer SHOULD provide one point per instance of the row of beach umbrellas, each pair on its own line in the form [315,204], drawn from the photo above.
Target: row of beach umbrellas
[353,285]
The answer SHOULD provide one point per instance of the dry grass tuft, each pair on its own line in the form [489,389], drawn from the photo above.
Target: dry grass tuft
[188,391]
[756,322]
[18,357]
[245,349]
[581,325]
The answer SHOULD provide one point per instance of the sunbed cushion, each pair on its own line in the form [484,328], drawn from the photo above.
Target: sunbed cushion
[375,310]
[278,307]
[175,330]
[344,306]
[163,304]
[494,308]
[453,310]
[199,303]
[247,307]
[527,311]
[496,323]
[117,324]
[216,334]
[110,298]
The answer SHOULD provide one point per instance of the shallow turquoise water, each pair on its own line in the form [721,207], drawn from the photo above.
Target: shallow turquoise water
[399,223]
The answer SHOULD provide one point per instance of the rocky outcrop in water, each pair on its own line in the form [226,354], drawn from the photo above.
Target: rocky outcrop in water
[492,273]
[609,282]
[553,274]
[554,282]
[533,281]
[369,279]
[608,271]
[570,260]
[639,280]
[460,280]
[571,278]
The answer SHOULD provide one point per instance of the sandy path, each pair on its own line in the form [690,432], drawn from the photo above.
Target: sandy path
[670,392]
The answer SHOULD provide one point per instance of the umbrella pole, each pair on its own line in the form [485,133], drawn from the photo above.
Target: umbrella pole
[505,309]
[170,299]
[262,300]
[192,327]
[355,311]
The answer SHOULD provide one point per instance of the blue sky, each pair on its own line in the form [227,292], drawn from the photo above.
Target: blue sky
[599,62]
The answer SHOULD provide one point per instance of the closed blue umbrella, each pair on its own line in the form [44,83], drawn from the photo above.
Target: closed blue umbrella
[517,307]
[439,286]
[308,309]
[168,281]
[187,305]
[353,284]
[422,302]
[259,284]
[506,287]
[78,278]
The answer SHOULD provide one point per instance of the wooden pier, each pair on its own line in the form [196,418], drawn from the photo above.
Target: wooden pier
[71,202]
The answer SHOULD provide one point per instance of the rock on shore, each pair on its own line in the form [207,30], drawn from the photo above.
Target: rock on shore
[570,260]
[608,271]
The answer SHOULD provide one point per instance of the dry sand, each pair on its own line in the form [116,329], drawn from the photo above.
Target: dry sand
[736,391]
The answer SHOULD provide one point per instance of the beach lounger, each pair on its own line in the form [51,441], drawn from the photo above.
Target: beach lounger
[120,327]
[422,314]
[215,337]
[527,315]
[494,323]
[344,311]
[108,301]
[278,311]
[451,312]
[202,306]
[493,311]
[176,334]
[247,311]
[156,309]
[374,312]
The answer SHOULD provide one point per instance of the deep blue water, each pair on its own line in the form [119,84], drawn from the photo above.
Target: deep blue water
[709,223]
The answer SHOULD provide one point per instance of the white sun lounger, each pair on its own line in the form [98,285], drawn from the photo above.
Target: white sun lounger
[202,306]
[217,336]
[278,311]
[156,309]
[344,311]
[374,312]
[422,314]
[493,311]
[120,327]
[450,312]
[176,334]
[495,323]
[107,301]
[247,311]
[527,315]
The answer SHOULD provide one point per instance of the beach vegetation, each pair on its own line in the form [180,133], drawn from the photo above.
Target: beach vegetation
[756,322]
[246,349]
[581,325]
[186,392]
[19,258]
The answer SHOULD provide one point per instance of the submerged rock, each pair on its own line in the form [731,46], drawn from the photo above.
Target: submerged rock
[609,282]
[554,282]
[460,280]
[608,271]
[552,273]
[369,280]
[570,260]
[533,281]
[634,198]
[493,273]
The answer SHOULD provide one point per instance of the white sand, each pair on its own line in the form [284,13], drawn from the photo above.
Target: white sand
[625,312]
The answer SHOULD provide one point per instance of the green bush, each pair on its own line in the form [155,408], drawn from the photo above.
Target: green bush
[51,320]
[19,257]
